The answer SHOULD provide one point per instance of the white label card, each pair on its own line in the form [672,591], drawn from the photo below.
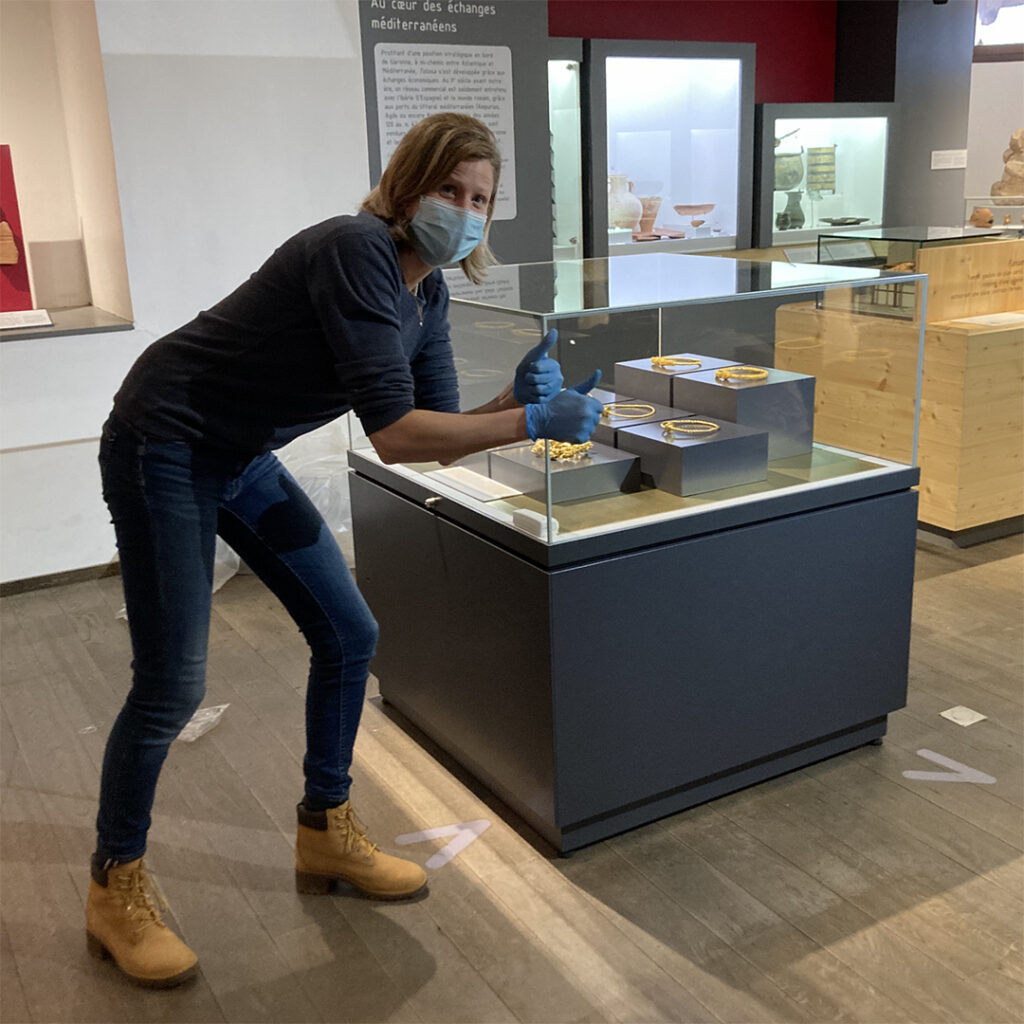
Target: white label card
[9,319]
[948,159]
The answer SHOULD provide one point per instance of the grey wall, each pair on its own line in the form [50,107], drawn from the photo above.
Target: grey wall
[934,49]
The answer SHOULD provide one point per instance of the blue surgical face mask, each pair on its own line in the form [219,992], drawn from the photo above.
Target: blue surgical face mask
[441,233]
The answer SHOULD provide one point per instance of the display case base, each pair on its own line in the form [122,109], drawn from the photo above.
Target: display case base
[620,694]
[976,534]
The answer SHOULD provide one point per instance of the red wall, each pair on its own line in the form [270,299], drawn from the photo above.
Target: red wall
[796,39]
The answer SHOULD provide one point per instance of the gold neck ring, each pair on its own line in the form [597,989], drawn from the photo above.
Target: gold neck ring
[688,427]
[667,362]
[746,374]
[627,411]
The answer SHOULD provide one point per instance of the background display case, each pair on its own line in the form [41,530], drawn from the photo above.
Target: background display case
[1007,211]
[670,145]
[893,247]
[565,57]
[818,166]
[621,651]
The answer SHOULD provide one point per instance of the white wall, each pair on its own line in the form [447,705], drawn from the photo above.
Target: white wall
[234,124]
[997,111]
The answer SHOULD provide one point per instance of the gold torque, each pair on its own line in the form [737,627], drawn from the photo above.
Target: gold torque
[618,410]
[689,427]
[563,451]
[741,373]
[665,362]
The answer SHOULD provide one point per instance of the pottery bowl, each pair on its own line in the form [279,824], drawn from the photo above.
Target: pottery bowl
[693,210]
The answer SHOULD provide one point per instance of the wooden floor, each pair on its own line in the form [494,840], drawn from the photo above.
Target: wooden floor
[843,892]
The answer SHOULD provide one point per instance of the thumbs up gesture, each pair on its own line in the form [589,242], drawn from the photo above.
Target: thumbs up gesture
[571,415]
[538,376]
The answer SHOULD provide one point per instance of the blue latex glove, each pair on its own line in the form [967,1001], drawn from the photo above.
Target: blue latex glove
[538,376]
[571,415]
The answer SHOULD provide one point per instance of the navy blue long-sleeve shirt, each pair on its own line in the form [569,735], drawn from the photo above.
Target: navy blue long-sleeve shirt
[325,326]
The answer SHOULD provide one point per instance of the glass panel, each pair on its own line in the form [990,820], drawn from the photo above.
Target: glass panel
[566,158]
[673,151]
[648,280]
[827,171]
[723,382]
[1006,212]
[892,248]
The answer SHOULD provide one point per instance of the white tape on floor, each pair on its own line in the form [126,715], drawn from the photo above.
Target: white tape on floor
[464,833]
[958,772]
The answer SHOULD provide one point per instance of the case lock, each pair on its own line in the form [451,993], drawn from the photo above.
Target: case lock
[431,502]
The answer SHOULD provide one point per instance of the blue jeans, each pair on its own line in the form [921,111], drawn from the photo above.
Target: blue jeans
[168,502]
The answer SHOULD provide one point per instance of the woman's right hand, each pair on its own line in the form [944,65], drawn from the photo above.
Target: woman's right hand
[571,415]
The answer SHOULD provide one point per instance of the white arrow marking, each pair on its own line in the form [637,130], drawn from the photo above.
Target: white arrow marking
[465,832]
[960,772]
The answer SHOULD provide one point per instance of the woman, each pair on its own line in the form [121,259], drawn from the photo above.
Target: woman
[350,314]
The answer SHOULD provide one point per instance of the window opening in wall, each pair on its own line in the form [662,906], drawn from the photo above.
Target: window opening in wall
[61,186]
[999,30]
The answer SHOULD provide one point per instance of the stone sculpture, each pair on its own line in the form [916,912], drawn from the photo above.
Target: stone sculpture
[1012,182]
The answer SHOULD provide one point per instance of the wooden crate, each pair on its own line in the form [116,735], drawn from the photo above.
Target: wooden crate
[970,280]
[972,424]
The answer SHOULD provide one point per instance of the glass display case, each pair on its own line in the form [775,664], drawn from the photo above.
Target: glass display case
[818,166]
[566,150]
[661,328]
[722,579]
[670,145]
[1000,212]
[893,248]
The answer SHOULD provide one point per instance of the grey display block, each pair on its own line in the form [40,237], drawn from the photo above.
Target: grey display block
[638,377]
[693,465]
[604,396]
[608,427]
[783,405]
[602,470]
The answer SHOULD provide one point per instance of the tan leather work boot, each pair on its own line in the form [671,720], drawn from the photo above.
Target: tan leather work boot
[331,846]
[122,923]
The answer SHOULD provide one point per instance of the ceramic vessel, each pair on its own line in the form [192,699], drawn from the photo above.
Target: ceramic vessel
[693,209]
[650,206]
[789,170]
[794,211]
[624,208]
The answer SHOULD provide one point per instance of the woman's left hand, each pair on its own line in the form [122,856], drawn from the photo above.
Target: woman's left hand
[538,376]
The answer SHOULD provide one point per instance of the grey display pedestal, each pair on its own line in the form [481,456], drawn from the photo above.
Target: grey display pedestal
[611,689]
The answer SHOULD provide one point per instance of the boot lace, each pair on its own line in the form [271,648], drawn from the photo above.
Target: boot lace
[138,889]
[353,831]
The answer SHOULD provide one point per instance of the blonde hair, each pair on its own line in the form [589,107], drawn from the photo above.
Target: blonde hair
[426,155]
